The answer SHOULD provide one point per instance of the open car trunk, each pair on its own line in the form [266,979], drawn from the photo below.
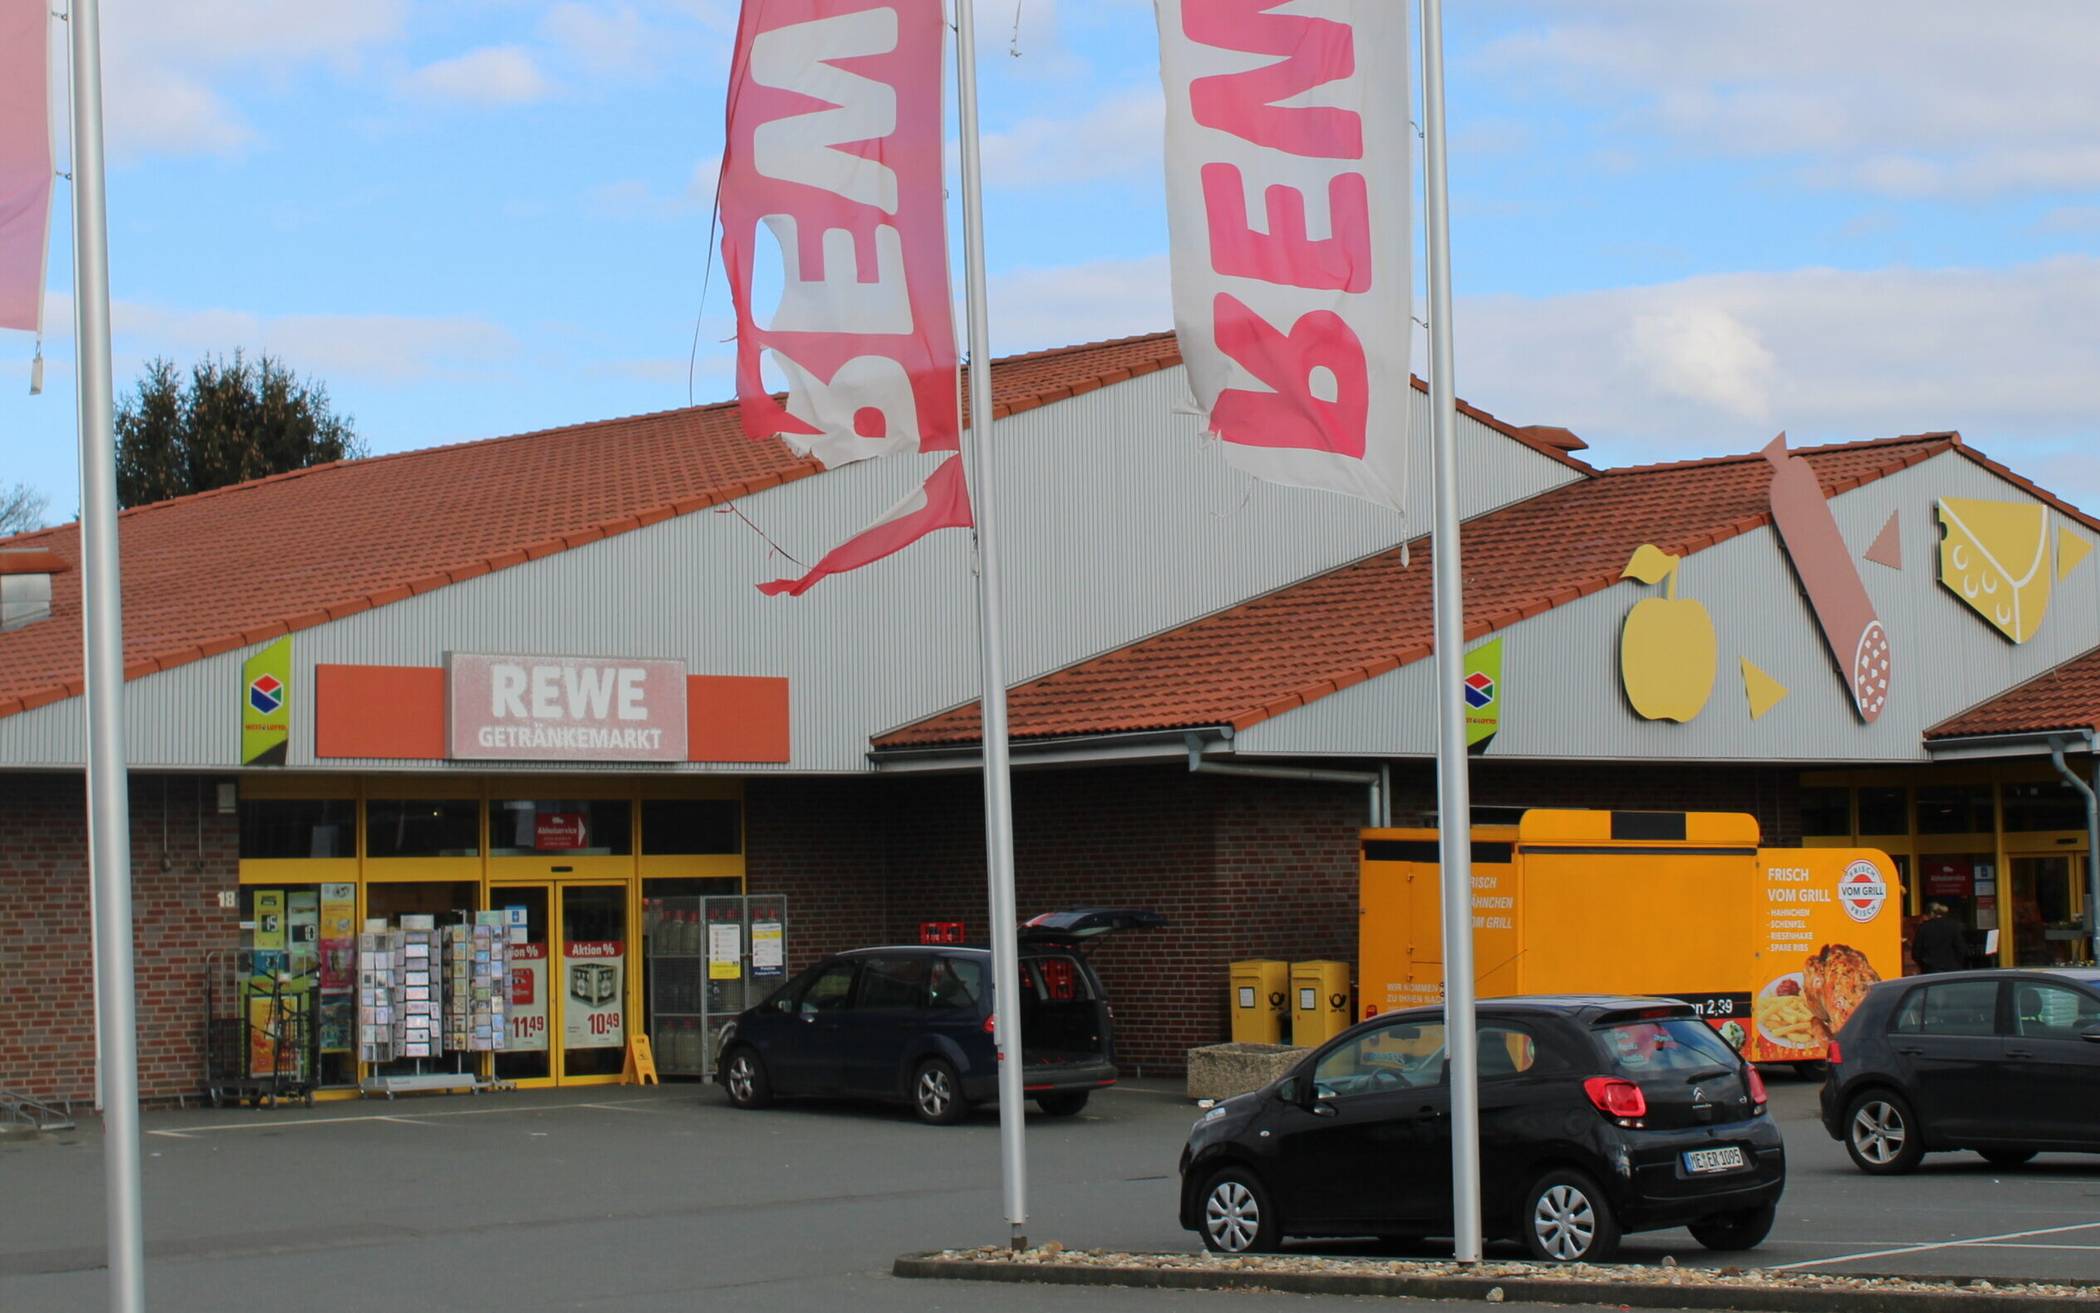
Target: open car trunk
[1063,1017]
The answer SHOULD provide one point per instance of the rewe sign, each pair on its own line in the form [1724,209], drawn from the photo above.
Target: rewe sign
[1288,190]
[833,153]
[541,708]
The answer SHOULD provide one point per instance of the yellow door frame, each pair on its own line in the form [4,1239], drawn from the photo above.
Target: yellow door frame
[490,890]
[557,999]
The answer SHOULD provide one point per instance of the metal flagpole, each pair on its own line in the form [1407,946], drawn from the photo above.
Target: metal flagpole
[109,819]
[998,783]
[1454,789]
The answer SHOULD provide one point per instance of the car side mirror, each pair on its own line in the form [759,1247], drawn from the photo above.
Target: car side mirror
[1323,1103]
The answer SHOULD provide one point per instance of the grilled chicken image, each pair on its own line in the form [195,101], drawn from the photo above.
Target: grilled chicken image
[1834,980]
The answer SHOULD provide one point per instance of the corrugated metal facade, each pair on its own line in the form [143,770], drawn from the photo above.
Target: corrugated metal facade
[1117,520]
[1561,691]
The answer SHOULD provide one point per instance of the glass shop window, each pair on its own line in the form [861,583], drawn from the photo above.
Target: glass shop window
[422,827]
[1826,812]
[570,827]
[278,828]
[685,827]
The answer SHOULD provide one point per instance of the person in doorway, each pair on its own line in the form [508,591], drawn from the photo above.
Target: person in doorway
[1940,944]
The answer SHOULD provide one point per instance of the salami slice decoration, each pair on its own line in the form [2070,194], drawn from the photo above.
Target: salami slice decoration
[1858,640]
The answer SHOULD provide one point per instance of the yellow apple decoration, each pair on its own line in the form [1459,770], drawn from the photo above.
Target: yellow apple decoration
[1669,654]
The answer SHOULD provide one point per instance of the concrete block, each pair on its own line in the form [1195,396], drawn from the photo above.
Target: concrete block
[1219,1071]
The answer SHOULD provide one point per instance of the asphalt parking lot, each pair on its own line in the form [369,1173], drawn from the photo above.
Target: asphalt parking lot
[626,1198]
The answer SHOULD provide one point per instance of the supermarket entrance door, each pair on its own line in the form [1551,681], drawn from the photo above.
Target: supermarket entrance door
[593,981]
[527,1056]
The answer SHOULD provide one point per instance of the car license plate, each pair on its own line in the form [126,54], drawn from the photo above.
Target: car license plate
[1713,1160]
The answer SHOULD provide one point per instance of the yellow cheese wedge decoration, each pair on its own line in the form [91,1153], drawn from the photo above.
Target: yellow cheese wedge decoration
[1995,557]
[2071,551]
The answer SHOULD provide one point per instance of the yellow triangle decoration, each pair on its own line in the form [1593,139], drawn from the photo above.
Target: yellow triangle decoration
[2071,551]
[1765,692]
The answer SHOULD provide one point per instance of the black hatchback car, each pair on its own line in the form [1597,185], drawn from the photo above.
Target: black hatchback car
[2006,1063]
[913,1024]
[1598,1116]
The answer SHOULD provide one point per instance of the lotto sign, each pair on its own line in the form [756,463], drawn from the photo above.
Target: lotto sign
[1862,890]
[266,695]
[1483,686]
[266,717]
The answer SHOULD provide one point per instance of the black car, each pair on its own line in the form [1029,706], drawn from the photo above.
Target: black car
[2006,1063]
[913,1024]
[1598,1116]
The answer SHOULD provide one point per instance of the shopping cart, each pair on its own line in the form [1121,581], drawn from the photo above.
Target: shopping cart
[258,1029]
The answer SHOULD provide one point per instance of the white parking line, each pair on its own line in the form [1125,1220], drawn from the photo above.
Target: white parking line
[1982,1241]
[192,1132]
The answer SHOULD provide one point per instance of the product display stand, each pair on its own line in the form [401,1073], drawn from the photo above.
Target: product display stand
[412,999]
[709,959]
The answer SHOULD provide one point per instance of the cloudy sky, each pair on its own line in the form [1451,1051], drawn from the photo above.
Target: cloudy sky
[1677,228]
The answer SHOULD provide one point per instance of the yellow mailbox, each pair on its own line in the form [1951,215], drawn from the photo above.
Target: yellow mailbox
[1259,1001]
[1319,1001]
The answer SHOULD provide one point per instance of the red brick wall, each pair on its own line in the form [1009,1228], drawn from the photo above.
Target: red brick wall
[819,842]
[1242,868]
[47,1024]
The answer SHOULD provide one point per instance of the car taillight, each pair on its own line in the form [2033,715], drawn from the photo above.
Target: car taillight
[991,1024]
[1616,1098]
[1837,1054]
[1756,1084]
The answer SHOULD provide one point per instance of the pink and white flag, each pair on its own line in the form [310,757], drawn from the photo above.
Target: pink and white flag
[834,149]
[1288,193]
[942,503]
[25,160]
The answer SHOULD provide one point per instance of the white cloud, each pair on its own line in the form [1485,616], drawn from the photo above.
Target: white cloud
[604,39]
[1121,136]
[2070,219]
[377,347]
[490,76]
[1719,362]
[160,60]
[631,198]
[1902,97]
[1033,308]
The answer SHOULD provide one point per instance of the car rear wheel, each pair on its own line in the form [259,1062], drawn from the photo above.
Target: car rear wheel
[1067,1104]
[1728,1231]
[2007,1159]
[1882,1134]
[1237,1216]
[936,1093]
[1568,1220]
[745,1079]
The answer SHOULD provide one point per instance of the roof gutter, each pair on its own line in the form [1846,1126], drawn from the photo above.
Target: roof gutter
[1376,781]
[1093,750]
[2092,833]
[1976,747]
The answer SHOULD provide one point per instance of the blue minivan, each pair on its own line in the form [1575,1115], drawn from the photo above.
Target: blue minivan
[913,1024]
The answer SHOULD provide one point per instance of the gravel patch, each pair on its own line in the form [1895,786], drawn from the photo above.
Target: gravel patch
[1665,1285]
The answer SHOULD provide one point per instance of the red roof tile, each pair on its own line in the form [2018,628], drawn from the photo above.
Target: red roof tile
[243,564]
[1244,665]
[2066,698]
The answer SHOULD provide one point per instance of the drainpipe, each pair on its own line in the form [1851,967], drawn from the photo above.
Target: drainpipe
[2092,837]
[1370,780]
